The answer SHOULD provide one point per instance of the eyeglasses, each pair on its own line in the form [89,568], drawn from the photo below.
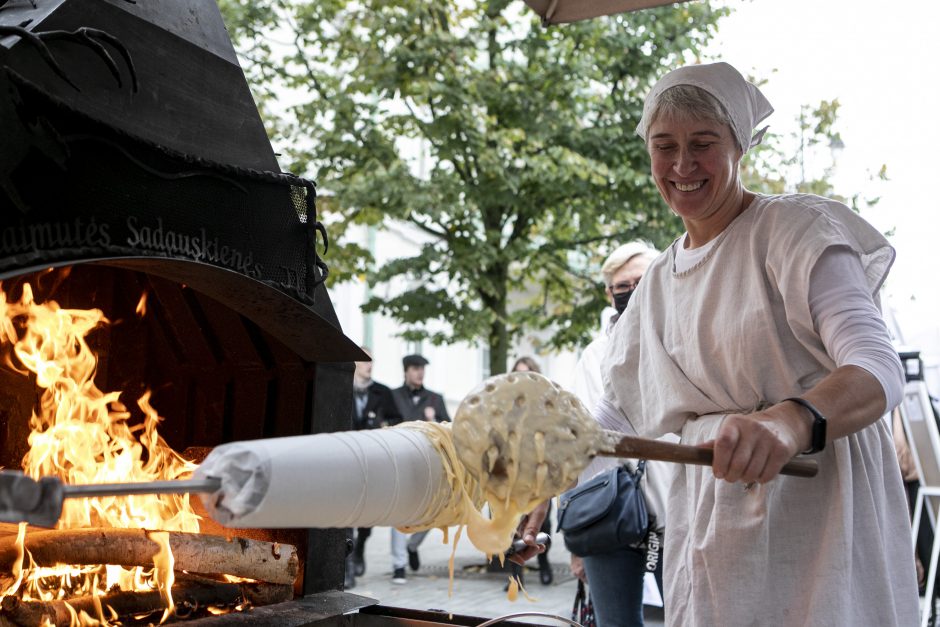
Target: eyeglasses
[626,286]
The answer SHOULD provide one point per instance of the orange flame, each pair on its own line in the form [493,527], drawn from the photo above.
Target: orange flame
[17,568]
[81,434]
[163,570]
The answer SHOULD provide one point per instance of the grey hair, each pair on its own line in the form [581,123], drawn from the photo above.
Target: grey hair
[693,102]
[623,254]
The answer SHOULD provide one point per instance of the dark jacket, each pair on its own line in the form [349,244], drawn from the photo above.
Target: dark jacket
[379,410]
[411,403]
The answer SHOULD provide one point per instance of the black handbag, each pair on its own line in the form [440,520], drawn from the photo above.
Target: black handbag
[606,513]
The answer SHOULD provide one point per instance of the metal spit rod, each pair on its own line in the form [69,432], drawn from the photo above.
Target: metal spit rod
[23,499]
[186,486]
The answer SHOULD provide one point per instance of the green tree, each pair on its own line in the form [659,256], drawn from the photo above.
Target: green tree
[804,160]
[531,168]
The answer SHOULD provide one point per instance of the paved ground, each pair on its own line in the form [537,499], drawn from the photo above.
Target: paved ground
[475,591]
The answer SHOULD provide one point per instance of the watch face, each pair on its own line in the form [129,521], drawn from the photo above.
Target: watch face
[819,433]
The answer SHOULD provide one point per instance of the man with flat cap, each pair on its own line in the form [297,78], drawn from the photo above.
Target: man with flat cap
[414,402]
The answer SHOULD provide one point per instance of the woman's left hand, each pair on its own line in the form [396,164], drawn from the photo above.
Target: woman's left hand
[754,447]
[577,568]
[528,529]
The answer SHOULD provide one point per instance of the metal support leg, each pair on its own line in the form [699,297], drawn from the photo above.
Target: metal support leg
[918,513]
[922,495]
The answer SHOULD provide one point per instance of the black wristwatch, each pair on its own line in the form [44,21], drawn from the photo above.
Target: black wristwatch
[818,441]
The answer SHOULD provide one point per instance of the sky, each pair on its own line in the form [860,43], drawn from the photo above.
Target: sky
[880,59]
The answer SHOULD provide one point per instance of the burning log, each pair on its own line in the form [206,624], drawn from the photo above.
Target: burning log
[255,593]
[196,553]
[190,594]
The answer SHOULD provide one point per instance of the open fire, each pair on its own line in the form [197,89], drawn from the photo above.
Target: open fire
[83,435]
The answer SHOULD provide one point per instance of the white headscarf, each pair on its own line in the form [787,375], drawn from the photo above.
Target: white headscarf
[745,104]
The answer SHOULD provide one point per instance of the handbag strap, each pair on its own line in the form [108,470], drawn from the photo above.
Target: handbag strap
[580,600]
[652,549]
[583,611]
[640,469]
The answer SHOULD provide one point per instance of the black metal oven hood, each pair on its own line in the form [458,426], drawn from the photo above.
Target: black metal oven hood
[130,139]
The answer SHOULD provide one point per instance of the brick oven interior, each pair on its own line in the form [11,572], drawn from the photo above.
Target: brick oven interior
[214,375]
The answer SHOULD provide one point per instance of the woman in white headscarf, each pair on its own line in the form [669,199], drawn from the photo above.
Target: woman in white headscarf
[758,332]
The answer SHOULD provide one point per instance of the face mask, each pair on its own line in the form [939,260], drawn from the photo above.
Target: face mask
[621,299]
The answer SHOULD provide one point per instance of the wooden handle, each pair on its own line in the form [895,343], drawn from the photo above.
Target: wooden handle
[641,448]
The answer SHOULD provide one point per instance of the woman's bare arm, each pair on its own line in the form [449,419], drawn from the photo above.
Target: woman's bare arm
[754,447]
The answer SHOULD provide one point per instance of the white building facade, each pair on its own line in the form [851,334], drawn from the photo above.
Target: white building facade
[454,369]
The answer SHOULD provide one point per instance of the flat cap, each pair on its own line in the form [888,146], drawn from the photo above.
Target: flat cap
[414,360]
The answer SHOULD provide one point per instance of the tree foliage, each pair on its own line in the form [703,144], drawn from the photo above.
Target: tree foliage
[804,160]
[511,147]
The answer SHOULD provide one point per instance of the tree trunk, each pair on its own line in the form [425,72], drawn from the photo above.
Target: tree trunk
[499,335]
[498,277]
[195,553]
[499,347]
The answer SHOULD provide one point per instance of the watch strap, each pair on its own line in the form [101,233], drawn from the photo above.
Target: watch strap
[818,441]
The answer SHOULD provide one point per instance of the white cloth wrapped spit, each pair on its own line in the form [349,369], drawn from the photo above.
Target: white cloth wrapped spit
[382,477]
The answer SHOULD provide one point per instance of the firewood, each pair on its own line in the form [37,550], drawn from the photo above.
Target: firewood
[197,553]
[257,594]
[19,613]
[8,529]
[28,613]
[189,596]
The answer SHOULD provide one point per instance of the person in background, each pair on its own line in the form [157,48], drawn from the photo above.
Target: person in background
[758,334]
[924,539]
[414,402]
[621,273]
[616,579]
[528,364]
[373,408]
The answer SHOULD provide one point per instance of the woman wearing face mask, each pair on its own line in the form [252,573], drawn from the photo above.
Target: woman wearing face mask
[616,579]
[621,272]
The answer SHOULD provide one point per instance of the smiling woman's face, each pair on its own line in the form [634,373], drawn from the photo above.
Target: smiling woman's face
[695,165]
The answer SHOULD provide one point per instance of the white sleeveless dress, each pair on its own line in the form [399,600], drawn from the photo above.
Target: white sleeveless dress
[728,335]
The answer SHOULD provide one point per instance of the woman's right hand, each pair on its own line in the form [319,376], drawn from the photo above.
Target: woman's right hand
[577,568]
[753,448]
